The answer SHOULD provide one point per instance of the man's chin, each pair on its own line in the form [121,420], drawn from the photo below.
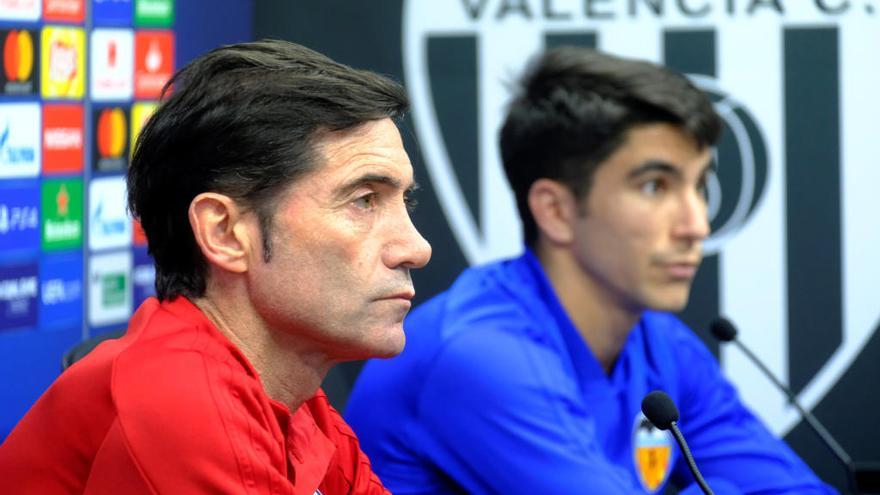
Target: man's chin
[670,302]
[391,345]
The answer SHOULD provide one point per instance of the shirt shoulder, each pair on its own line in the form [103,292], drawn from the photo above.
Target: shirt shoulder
[181,392]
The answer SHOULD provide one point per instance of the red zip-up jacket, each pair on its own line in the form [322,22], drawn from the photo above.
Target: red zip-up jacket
[173,407]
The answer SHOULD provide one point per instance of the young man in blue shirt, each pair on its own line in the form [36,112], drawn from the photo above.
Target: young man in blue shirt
[527,375]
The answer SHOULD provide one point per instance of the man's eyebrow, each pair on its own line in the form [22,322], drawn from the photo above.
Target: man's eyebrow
[654,166]
[393,182]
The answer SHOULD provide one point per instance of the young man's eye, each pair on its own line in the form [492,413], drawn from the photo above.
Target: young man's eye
[652,187]
[703,190]
[703,185]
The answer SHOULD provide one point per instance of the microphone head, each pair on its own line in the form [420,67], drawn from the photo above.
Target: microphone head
[659,409]
[722,329]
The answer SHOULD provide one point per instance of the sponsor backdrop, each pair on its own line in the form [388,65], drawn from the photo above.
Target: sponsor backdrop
[79,78]
[793,258]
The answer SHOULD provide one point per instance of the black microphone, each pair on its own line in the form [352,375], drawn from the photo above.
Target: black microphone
[662,413]
[724,331]
[863,477]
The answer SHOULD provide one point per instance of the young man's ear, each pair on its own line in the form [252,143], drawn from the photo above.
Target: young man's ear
[220,231]
[554,209]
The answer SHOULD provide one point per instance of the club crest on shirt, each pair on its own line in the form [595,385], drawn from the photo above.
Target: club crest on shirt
[652,453]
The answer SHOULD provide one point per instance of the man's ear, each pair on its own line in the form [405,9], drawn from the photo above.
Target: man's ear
[554,209]
[220,231]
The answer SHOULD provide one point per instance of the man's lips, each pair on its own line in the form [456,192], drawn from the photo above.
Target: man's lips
[406,295]
[680,270]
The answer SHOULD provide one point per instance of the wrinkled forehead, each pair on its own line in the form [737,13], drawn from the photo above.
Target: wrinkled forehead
[371,148]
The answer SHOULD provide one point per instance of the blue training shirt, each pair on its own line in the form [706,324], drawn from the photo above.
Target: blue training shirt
[496,392]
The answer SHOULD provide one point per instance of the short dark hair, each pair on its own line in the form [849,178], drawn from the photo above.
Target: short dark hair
[572,110]
[241,120]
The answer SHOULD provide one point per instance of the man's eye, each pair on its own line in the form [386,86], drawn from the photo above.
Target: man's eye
[652,187]
[703,184]
[366,202]
[410,202]
[703,190]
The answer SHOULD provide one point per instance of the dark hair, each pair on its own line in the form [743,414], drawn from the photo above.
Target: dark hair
[572,110]
[242,120]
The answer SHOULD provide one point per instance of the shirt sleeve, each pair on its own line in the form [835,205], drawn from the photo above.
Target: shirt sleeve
[496,424]
[727,440]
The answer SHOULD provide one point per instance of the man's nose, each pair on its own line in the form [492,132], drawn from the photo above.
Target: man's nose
[408,249]
[693,218]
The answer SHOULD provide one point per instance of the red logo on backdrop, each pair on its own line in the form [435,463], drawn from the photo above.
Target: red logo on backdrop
[64,10]
[111,54]
[62,139]
[153,63]
[139,237]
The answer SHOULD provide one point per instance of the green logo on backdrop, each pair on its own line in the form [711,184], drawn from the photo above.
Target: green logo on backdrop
[113,289]
[62,207]
[154,12]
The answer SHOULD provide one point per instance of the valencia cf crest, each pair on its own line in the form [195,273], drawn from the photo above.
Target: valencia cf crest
[652,454]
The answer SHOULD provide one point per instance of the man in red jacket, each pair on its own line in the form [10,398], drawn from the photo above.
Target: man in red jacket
[272,185]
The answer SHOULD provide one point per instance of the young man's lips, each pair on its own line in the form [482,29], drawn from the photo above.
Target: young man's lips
[681,270]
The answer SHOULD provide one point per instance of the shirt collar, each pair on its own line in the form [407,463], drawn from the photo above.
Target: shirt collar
[585,365]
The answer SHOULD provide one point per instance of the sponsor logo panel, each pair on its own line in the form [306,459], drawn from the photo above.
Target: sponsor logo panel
[154,62]
[64,10]
[20,60]
[63,136]
[157,13]
[19,288]
[62,204]
[143,276]
[112,64]
[110,142]
[112,12]
[110,290]
[19,10]
[19,140]
[61,290]
[140,113]
[62,61]
[20,217]
[109,223]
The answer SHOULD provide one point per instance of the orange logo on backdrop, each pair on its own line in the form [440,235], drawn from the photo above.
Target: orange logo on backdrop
[18,55]
[111,133]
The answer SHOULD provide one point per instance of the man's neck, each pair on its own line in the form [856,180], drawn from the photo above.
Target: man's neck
[602,321]
[289,374]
